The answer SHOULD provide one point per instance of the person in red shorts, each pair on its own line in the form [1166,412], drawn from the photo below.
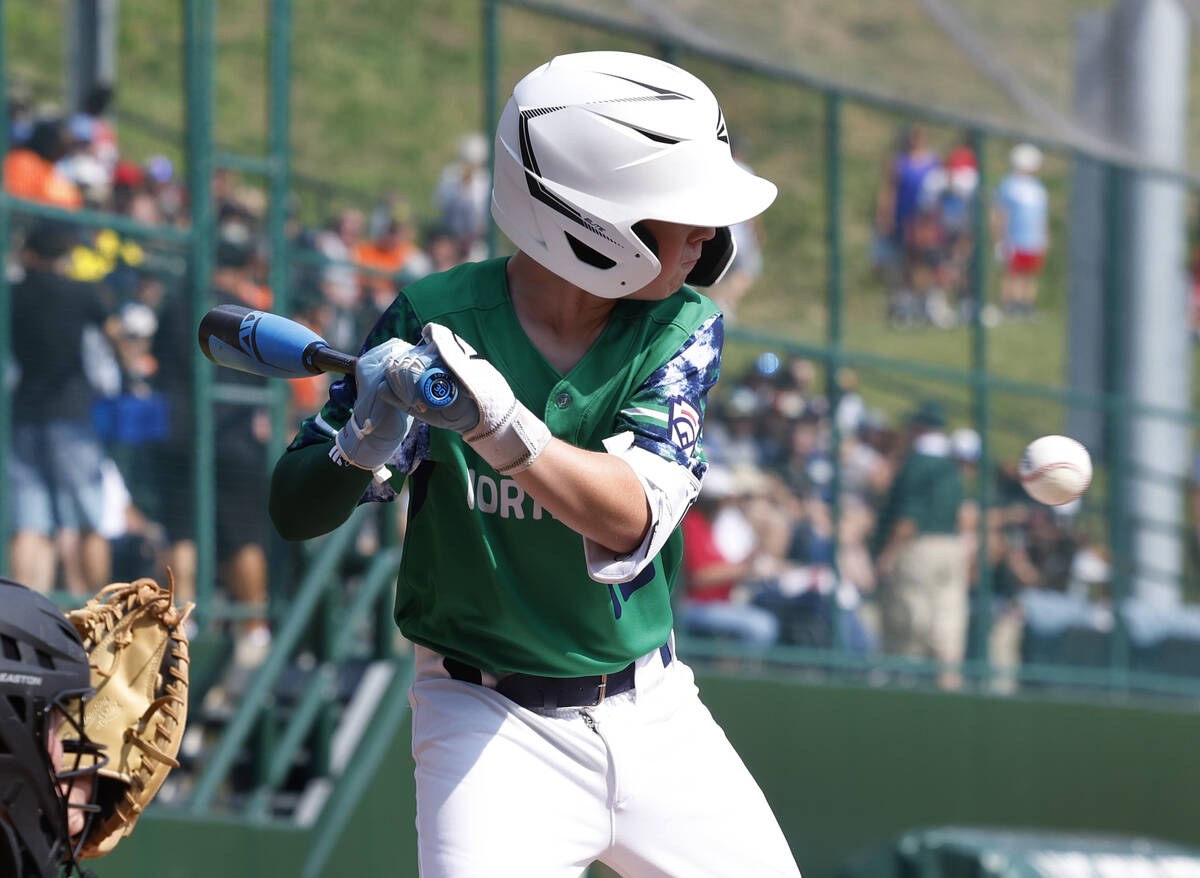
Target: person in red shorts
[1021,228]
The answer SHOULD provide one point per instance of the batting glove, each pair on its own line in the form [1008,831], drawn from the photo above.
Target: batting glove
[378,423]
[485,412]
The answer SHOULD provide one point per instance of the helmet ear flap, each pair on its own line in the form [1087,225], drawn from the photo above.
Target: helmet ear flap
[646,237]
[715,258]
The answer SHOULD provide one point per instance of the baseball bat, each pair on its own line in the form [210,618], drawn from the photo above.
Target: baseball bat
[266,344]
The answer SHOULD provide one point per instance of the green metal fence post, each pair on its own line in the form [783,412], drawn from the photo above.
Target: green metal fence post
[5,312]
[278,159]
[278,183]
[491,85]
[833,362]
[199,38]
[1117,413]
[980,394]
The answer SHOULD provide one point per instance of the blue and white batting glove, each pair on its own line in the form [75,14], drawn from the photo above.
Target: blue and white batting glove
[379,423]
[486,412]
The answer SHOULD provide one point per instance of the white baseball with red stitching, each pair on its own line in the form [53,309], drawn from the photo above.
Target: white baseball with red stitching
[1055,470]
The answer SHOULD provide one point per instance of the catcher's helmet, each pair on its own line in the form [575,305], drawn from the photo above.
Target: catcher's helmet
[42,666]
[591,144]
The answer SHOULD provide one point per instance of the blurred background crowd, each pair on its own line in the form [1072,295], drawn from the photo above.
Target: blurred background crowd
[880,555]
[925,235]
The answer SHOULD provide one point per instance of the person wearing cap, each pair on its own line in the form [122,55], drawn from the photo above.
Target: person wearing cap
[957,209]
[555,723]
[1021,228]
[55,491]
[920,554]
[463,194]
[387,254]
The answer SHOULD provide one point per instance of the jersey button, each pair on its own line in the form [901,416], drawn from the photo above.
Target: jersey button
[562,400]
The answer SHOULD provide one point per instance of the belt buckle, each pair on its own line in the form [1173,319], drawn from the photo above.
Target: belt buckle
[600,694]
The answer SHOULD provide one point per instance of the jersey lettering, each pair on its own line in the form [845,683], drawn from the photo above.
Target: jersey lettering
[486,494]
[506,498]
[511,497]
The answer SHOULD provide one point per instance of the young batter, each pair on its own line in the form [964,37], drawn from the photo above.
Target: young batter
[553,724]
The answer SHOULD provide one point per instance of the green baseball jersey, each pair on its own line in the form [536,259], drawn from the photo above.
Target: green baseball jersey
[488,576]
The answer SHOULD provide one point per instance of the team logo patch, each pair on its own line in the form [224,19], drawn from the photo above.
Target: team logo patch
[684,424]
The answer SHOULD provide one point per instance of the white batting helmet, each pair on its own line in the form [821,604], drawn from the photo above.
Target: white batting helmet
[591,144]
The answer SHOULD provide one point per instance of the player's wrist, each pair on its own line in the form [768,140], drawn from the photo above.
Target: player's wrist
[347,451]
[512,443]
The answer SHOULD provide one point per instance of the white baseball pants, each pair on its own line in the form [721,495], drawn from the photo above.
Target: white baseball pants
[646,782]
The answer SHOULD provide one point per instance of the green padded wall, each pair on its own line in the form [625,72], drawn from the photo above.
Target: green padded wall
[844,767]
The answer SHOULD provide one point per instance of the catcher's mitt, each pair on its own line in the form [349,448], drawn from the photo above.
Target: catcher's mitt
[137,647]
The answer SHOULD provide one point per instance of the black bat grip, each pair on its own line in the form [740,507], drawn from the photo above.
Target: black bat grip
[435,385]
[319,357]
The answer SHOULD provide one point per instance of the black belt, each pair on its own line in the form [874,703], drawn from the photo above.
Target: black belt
[548,693]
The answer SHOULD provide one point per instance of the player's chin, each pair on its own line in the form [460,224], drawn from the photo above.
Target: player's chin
[660,288]
[652,293]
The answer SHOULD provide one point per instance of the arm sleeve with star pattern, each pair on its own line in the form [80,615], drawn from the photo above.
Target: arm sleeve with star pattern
[659,436]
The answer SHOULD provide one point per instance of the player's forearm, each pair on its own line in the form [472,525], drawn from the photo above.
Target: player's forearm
[311,495]
[595,494]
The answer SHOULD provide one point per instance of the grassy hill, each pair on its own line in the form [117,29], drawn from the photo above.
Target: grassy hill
[382,91]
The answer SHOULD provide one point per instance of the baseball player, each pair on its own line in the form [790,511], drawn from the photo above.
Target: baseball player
[553,723]
[45,801]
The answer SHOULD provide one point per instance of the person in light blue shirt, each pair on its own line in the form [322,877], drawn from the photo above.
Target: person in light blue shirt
[1021,230]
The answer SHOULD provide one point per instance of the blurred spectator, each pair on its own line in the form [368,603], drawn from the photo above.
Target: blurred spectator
[851,407]
[391,253]
[939,238]
[103,137]
[339,279]
[20,113]
[921,559]
[56,493]
[808,470]
[30,171]
[866,473]
[241,432]
[734,437]
[957,206]
[464,195]
[81,165]
[900,257]
[226,194]
[444,251]
[110,257]
[390,206]
[926,260]
[857,578]
[1021,229]
[129,178]
[714,602]
[817,605]
[164,188]
[1008,564]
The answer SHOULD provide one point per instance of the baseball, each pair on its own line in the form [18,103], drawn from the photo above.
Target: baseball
[1055,470]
